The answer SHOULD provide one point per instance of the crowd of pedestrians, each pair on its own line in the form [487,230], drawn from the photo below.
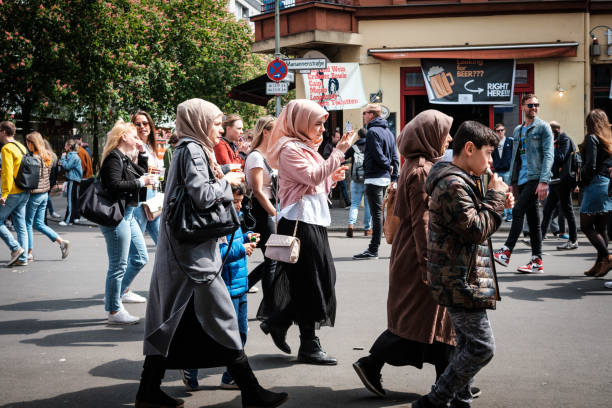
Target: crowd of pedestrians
[441,275]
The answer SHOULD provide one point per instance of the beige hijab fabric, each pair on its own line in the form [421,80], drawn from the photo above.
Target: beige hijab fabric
[425,135]
[294,123]
[194,117]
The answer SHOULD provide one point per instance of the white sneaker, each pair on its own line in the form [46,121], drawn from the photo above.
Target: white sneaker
[65,248]
[608,284]
[64,223]
[131,297]
[253,290]
[122,317]
[80,220]
[55,215]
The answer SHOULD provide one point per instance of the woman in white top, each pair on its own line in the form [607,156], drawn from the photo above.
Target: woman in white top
[304,292]
[261,179]
[146,132]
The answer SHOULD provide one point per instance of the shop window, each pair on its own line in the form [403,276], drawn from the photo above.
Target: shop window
[414,79]
[601,75]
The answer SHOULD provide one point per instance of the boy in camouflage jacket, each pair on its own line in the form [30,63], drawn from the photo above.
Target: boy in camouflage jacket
[459,261]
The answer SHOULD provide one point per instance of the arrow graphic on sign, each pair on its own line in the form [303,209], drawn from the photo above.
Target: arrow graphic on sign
[479,90]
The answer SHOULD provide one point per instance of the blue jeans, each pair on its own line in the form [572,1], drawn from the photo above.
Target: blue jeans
[127,255]
[505,175]
[240,306]
[152,227]
[50,206]
[35,216]
[14,207]
[357,193]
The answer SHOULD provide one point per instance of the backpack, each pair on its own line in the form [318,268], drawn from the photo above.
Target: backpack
[28,174]
[357,171]
[572,168]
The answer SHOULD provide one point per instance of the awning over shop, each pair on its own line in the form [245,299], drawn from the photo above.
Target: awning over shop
[254,91]
[503,51]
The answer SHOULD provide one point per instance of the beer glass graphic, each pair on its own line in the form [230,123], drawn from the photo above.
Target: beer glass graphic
[440,81]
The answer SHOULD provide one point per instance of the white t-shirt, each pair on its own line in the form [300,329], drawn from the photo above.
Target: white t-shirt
[256,160]
[315,210]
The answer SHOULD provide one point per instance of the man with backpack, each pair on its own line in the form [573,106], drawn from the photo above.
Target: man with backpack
[14,199]
[356,154]
[564,180]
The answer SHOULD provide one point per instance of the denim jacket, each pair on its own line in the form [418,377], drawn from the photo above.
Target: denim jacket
[539,152]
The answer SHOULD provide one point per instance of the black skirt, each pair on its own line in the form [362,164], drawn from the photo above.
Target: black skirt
[191,347]
[304,292]
[398,351]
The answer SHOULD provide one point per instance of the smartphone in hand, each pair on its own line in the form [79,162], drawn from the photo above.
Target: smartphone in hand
[348,127]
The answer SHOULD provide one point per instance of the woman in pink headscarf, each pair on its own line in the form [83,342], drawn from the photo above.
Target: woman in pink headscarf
[304,292]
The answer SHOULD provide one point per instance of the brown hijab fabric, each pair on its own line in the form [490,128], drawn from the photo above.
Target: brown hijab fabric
[293,124]
[194,117]
[425,135]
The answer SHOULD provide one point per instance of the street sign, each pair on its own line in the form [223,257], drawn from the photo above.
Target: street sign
[306,63]
[277,88]
[290,77]
[277,70]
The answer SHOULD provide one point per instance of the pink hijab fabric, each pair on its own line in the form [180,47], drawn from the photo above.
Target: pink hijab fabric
[293,124]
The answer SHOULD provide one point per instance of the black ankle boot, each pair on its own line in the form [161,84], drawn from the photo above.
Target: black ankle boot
[149,393]
[311,353]
[253,394]
[279,336]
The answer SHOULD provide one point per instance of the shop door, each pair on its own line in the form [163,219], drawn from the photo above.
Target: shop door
[600,91]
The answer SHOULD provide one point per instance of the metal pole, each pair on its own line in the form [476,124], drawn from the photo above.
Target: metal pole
[277,47]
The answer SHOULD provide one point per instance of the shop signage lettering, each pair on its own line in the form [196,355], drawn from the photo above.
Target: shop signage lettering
[469,81]
[336,87]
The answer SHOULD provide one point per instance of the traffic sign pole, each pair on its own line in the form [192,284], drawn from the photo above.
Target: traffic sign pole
[277,47]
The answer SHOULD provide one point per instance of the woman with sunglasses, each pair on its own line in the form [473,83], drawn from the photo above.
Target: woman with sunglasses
[37,203]
[146,133]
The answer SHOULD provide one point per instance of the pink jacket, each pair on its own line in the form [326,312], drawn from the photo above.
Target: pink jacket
[303,171]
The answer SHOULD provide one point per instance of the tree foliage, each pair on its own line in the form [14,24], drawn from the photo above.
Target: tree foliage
[98,60]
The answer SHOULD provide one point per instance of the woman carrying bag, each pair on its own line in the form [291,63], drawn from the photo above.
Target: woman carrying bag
[304,291]
[261,178]
[191,321]
[123,176]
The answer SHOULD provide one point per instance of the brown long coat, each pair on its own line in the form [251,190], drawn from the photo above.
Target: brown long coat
[412,313]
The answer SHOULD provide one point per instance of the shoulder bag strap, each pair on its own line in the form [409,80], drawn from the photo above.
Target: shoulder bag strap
[276,208]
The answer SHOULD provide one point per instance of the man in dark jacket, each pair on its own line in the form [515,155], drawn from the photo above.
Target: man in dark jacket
[381,165]
[501,159]
[561,191]
[459,264]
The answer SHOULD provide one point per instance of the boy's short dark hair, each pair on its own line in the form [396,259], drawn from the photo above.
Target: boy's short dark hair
[475,132]
[239,189]
[8,127]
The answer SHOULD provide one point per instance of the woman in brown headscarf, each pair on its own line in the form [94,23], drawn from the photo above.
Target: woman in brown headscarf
[304,292]
[419,330]
[188,324]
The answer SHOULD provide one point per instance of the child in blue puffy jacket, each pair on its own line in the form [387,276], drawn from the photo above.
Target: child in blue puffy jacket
[235,274]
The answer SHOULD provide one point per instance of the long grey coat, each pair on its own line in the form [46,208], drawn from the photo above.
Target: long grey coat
[171,289]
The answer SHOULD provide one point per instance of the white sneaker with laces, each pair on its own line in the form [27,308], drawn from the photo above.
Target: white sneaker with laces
[568,245]
[608,284]
[55,215]
[64,223]
[131,297]
[122,317]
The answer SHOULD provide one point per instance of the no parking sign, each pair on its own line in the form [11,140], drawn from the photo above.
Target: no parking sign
[277,70]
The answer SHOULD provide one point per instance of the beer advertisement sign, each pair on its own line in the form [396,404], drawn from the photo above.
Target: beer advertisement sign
[336,87]
[469,81]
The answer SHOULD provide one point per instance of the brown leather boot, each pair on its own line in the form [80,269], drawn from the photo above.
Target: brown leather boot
[367,233]
[349,231]
[604,267]
[592,269]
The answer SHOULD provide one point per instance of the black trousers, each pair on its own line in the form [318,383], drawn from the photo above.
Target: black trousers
[374,194]
[561,194]
[526,205]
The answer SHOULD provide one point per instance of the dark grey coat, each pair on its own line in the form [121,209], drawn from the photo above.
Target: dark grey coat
[171,289]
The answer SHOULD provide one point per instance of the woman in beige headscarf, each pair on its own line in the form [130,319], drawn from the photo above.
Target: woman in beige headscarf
[418,329]
[191,325]
[304,292]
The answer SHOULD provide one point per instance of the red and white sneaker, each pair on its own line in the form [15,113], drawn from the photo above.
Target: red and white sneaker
[502,256]
[534,266]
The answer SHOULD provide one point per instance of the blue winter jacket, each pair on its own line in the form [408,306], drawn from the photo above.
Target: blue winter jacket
[380,157]
[539,152]
[72,166]
[235,272]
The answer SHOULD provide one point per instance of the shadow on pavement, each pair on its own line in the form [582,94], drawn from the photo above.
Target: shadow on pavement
[350,259]
[54,305]
[107,337]
[31,326]
[576,289]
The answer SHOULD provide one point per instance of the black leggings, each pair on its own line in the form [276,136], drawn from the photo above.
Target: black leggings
[594,227]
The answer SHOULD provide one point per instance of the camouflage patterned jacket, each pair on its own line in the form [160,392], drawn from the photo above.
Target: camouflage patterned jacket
[460,222]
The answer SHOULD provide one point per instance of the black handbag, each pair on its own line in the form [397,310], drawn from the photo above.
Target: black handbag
[191,224]
[98,206]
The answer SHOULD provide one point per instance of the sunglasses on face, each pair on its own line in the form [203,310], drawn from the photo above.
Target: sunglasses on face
[533,105]
[499,130]
[139,124]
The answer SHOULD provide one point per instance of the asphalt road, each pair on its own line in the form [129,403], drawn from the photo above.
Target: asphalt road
[553,334]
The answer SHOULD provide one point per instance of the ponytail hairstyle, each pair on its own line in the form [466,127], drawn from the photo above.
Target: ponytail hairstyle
[40,149]
[263,123]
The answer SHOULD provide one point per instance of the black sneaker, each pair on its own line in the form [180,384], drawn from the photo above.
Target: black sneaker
[476,392]
[371,380]
[366,255]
